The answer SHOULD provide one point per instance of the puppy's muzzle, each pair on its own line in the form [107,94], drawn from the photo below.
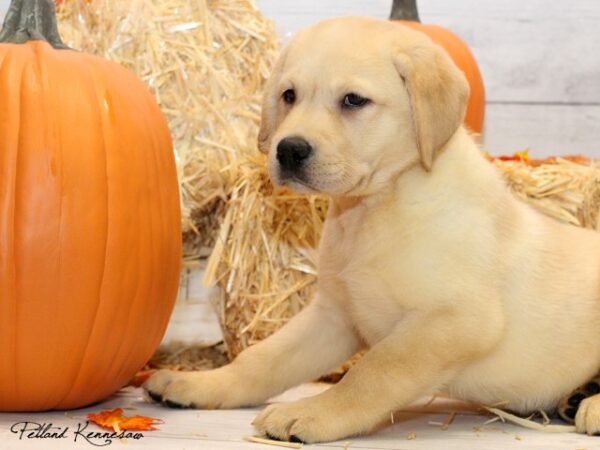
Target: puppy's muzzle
[292,154]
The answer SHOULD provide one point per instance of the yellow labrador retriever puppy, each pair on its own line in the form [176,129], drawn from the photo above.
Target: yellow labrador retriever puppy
[426,257]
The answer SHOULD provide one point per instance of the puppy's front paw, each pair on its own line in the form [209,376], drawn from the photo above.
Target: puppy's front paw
[201,390]
[587,419]
[302,421]
[155,386]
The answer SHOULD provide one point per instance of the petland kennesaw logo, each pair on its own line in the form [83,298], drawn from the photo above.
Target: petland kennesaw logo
[47,430]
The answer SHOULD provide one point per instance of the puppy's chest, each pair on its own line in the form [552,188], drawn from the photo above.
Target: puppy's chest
[361,274]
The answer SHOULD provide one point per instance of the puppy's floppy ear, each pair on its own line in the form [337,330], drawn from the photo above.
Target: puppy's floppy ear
[269,105]
[438,93]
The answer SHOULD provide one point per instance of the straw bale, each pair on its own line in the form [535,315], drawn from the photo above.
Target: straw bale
[205,61]
[567,189]
[265,256]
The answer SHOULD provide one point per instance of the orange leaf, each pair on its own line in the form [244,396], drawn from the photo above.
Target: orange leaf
[523,156]
[517,156]
[115,420]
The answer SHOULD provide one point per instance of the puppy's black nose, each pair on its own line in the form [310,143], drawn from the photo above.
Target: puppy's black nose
[292,152]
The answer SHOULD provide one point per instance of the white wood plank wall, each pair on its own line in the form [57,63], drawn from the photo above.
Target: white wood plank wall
[540,62]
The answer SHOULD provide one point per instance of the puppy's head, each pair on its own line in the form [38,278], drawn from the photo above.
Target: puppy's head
[352,102]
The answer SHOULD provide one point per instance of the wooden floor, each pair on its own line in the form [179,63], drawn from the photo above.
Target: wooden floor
[186,429]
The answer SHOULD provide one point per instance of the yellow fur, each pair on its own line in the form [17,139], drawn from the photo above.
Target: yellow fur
[426,257]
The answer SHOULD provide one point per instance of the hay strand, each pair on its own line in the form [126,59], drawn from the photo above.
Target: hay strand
[527,423]
[260,440]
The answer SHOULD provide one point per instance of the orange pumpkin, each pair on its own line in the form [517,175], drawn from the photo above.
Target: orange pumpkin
[90,236]
[406,12]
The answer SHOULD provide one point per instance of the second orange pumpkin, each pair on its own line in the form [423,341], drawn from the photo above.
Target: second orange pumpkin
[405,11]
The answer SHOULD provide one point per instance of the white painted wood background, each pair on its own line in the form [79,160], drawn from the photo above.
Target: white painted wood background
[540,62]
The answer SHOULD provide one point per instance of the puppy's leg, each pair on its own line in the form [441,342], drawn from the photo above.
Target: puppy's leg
[404,365]
[318,339]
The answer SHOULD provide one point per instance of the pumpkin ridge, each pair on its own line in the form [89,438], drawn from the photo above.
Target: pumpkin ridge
[166,225]
[158,254]
[11,269]
[113,372]
[106,83]
[139,294]
[90,82]
[37,62]
[18,164]
[171,226]
[61,237]
[162,221]
[127,344]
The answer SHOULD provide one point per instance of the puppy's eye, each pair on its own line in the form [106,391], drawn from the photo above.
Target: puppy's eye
[289,96]
[353,100]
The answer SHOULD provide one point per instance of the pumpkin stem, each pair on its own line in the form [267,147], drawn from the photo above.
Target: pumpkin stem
[405,10]
[31,20]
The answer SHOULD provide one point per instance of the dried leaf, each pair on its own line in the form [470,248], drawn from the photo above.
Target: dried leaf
[115,420]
